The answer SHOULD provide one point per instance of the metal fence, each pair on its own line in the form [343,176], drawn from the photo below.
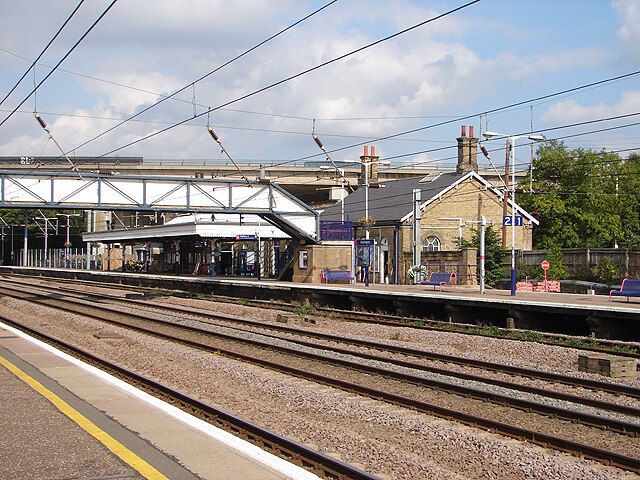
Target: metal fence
[57,258]
[580,262]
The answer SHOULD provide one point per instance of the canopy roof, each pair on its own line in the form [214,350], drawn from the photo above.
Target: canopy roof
[223,226]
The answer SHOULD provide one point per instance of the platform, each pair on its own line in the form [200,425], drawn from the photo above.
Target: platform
[62,418]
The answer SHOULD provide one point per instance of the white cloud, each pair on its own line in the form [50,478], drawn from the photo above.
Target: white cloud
[629,31]
[453,66]
[571,111]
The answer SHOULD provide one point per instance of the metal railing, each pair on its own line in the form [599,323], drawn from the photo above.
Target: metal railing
[75,258]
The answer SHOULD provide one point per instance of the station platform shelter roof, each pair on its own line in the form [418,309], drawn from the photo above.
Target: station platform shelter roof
[222,226]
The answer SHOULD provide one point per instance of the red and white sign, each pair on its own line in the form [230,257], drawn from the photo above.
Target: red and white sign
[545,265]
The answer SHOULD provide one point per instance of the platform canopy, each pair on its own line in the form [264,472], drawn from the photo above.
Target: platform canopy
[221,226]
[159,194]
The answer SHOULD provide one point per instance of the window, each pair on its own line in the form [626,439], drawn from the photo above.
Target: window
[432,244]
[303,259]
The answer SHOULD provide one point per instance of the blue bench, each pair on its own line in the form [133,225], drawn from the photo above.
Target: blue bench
[336,275]
[629,288]
[438,279]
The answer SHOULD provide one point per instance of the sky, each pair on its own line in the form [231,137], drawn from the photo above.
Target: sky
[488,64]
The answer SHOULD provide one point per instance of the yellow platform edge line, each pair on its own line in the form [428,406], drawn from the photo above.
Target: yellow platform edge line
[126,455]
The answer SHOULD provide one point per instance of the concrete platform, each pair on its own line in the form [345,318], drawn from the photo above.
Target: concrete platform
[64,419]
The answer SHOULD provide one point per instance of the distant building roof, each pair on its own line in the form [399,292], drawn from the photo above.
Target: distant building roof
[392,202]
[223,226]
[60,160]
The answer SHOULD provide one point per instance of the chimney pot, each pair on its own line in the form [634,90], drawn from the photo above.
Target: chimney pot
[464,131]
[366,150]
[373,150]
[471,131]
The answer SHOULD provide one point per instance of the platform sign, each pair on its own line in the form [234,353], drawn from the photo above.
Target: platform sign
[518,219]
[545,266]
[365,243]
[246,237]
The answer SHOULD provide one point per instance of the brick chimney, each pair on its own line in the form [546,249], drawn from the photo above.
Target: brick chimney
[467,151]
[372,160]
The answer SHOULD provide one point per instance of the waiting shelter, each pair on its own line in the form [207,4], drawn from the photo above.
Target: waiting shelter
[200,244]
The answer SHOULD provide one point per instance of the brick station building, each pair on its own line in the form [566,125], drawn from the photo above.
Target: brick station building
[451,205]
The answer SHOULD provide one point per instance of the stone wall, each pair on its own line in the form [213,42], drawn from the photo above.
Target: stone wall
[328,255]
[462,262]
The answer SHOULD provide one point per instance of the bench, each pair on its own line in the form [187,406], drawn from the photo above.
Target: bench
[438,279]
[336,275]
[629,288]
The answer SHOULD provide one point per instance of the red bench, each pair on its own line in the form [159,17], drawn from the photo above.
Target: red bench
[629,288]
[336,275]
[438,279]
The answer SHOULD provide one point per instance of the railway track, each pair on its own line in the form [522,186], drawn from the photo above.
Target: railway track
[322,465]
[613,347]
[400,351]
[405,389]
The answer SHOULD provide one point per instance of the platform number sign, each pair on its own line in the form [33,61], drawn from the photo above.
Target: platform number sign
[507,219]
[545,265]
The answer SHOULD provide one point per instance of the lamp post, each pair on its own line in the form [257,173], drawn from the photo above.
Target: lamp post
[66,243]
[4,224]
[511,145]
[46,236]
[339,171]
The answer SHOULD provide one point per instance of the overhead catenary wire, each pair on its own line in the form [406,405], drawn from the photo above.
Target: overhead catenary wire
[473,115]
[192,84]
[454,157]
[33,64]
[46,129]
[84,35]
[292,77]
[224,150]
[466,117]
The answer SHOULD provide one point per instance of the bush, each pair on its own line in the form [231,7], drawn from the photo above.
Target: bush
[607,271]
[533,272]
[557,270]
[494,253]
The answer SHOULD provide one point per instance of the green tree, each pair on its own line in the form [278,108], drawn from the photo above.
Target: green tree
[583,198]
[494,253]
[628,194]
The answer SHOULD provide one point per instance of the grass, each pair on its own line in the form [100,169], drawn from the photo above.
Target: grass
[303,310]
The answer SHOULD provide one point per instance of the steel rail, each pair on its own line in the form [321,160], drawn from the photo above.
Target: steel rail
[394,320]
[553,411]
[588,419]
[548,441]
[285,448]
[617,389]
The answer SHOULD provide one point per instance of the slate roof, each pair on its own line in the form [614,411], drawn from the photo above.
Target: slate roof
[393,203]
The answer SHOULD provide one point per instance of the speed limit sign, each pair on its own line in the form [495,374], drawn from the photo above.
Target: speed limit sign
[545,265]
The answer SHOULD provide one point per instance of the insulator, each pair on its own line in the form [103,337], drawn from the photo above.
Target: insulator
[41,121]
[212,133]
[317,140]
[484,151]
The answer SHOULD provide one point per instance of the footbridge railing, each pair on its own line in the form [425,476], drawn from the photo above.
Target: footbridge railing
[95,191]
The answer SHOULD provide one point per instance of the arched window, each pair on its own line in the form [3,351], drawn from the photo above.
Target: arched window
[431,244]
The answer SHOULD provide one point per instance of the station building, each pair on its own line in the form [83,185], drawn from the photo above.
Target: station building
[448,205]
